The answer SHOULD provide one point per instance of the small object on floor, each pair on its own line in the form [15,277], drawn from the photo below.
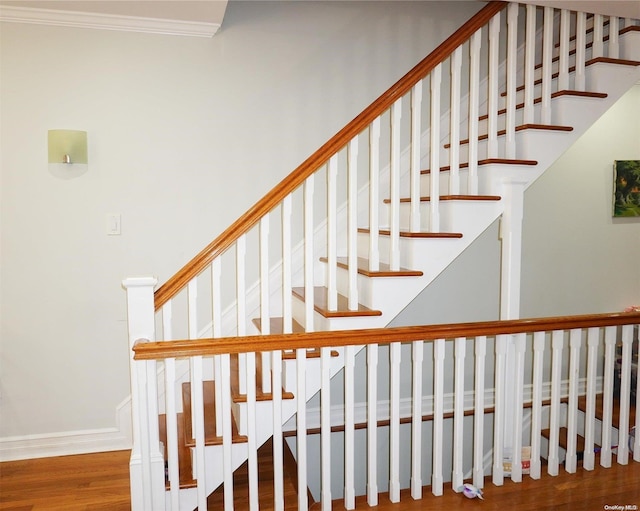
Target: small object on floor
[471,491]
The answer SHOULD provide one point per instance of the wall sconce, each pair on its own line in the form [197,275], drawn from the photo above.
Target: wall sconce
[68,153]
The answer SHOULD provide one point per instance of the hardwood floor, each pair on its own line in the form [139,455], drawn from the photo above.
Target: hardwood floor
[100,482]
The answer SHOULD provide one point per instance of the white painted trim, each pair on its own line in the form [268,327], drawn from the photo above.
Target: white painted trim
[106,21]
[71,442]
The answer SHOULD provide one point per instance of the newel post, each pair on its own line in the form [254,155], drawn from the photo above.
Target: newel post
[146,466]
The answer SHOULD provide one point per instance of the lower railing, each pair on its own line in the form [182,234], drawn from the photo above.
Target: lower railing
[410,406]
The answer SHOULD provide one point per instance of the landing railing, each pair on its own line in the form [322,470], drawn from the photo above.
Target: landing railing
[443,426]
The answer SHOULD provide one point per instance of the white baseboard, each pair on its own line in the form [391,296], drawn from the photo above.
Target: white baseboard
[71,442]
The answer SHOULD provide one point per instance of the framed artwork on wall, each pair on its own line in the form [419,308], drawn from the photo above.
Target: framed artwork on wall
[626,188]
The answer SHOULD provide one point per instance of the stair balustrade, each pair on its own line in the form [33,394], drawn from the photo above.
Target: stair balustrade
[346,241]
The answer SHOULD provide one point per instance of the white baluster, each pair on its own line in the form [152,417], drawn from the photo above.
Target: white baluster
[536,405]
[265,300]
[607,406]
[352,222]
[241,309]
[394,215]
[516,458]
[198,426]
[349,429]
[571,459]
[458,414]
[416,421]
[512,65]
[492,123]
[438,416]
[325,428]
[287,318]
[588,461]
[581,44]
[547,56]
[529,64]
[171,418]
[308,255]
[416,153]
[372,425]
[474,113]
[625,395]
[614,37]
[557,340]
[332,247]
[216,304]
[478,417]
[374,194]
[454,130]
[278,461]
[301,419]
[563,70]
[434,150]
[500,409]
[394,422]
[252,444]
[227,467]
[192,325]
[597,49]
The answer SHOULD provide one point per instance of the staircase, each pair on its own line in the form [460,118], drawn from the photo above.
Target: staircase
[326,251]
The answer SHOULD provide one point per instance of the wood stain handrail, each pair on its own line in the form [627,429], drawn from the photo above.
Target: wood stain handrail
[145,350]
[170,288]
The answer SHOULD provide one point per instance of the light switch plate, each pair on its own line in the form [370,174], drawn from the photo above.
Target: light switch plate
[113,224]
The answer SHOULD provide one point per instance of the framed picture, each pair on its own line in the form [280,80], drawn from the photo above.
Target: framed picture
[626,188]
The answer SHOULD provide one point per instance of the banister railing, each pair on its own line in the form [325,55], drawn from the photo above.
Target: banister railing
[322,155]
[257,343]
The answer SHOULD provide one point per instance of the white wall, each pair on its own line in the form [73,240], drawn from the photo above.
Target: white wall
[576,258]
[184,135]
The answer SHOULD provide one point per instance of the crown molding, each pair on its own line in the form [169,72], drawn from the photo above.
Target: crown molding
[75,19]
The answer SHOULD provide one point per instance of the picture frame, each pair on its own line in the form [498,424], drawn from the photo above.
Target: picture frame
[626,188]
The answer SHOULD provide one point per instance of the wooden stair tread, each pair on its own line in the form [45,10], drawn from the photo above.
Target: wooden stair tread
[487,161]
[407,234]
[210,434]
[452,197]
[563,439]
[321,300]
[261,395]
[384,271]
[599,410]
[184,456]
[276,326]
[557,94]
[522,127]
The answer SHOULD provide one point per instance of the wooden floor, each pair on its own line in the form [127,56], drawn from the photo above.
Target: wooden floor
[100,482]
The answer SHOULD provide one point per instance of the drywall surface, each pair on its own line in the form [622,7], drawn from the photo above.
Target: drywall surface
[184,136]
[577,258]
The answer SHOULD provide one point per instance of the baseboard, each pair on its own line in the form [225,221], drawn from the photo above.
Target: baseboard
[71,442]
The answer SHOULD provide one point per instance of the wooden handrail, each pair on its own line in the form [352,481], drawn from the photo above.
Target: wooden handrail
[259,343]
[170,288]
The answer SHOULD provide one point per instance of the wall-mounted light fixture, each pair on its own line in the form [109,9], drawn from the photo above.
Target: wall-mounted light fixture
[68,156]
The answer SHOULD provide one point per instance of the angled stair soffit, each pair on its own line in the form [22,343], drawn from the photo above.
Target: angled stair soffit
[174,17]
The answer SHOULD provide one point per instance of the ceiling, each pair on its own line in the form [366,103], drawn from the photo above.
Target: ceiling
[197,17]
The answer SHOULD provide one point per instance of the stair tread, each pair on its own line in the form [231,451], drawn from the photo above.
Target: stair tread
[599,409]
[321,300]
[184,458]
[383,271]
[408,234]
[426,198]
[276,325]
[563,439]
[522,127]
[557,94]
[210,434]
[487,161]
[238,397]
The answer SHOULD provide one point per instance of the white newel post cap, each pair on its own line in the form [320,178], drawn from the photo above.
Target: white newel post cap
[139,282]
